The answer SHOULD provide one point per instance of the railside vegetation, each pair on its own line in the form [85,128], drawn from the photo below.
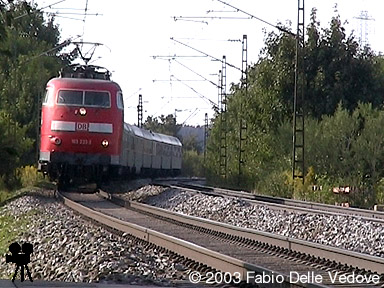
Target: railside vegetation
[28,59]
[344,138]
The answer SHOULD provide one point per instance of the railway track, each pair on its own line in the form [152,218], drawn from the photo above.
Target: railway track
[281,203]
[237,252]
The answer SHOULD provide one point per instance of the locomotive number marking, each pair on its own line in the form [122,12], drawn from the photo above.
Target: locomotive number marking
[81,126]
[81,141]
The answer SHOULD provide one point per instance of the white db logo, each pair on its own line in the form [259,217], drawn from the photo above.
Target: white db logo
[81,126]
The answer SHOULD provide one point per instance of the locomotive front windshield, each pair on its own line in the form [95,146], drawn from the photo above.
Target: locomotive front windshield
[84,98]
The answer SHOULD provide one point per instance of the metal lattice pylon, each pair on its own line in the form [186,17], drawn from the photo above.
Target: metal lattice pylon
[206,131]
[298,104]
[140,112]
[243,123]
[223,120]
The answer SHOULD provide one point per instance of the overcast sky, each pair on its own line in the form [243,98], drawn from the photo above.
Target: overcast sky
[134,31]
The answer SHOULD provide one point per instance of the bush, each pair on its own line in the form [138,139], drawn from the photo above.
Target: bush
[2,184]
[276,184]
[29,176]
[192,164]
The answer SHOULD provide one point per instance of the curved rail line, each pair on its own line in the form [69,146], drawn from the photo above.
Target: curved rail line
[324,256]
[284,203]
[192,251]
[350,258]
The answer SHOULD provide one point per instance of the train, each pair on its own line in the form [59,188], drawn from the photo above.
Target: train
[83,133]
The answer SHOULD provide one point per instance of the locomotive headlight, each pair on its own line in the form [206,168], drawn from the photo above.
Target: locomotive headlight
[82,111]
[55,140]
[105,143]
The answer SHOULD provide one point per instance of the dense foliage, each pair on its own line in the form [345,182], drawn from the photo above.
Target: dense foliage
[27,60]
[162,124]
[344,94]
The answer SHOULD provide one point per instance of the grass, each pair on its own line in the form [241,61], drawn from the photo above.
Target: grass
[9,231]
[7,196]
[11,228]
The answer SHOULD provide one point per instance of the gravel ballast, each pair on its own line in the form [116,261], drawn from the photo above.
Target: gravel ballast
[68,248]
[346,232]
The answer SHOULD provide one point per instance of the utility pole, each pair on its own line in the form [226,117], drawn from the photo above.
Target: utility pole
[223,118]
[219,93]
[219,112]
[243,124]
[205,136]
[364,28]
[298,102]
[140,112]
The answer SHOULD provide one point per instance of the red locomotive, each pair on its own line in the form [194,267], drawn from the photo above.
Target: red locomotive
[83,131]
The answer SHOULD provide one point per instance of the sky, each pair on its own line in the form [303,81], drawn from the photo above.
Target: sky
[135,34]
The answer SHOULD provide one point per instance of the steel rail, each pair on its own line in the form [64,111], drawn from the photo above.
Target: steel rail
[192,251]
[345,257]
[286,204]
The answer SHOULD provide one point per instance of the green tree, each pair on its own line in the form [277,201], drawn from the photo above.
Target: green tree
[369,146]
[340,77]
[338,70]
[190,143]
[192,164]
[28,58]
[162,124]
[329,143]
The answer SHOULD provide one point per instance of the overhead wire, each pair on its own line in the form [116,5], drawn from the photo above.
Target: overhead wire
[250,16]
[198,93]
[185,18]
[65,8]
[217,59]
[157,111]
[60,14]
[85,15]
[257,18]
[201,76]
[184,80]
[57,47]
[80,14]
[49,6]
[193,114]
[210,39]
[177,56]
[133,94]
[65,17]
[188,20]
[220,11]
[25,14]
